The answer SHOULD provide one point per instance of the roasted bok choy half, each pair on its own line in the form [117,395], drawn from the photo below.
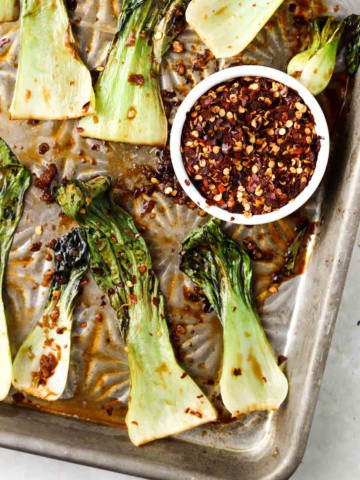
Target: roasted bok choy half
[41,365]
[52,82]
[250,379]
[9,10]
[14,181]
[315,66]
[163,399]
[227,27]
[129,107]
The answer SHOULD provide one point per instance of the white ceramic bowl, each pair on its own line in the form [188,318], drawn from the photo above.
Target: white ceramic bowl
[249,71]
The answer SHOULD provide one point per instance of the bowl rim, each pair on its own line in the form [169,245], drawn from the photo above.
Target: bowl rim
[249,71]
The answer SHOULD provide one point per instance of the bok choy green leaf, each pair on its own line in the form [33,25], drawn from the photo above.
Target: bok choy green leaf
[14,181]
[41,365]
[163,399]
[52,82]
[250,379]
[352,40]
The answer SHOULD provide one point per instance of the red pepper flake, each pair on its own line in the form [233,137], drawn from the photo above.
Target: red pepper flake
[35,247]
[136,79]
[142,268]
[43,148]
[281,359]
[156,301]
[236,372]
[83,325]
[184,375]
[135,423]
[47,368]
[86,107]
[130,42]
[45,180]
[194,412]
[180,330]
[60,330]
[113,237]
[133,298]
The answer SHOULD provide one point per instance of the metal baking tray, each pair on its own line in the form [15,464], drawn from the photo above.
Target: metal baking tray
[86,424]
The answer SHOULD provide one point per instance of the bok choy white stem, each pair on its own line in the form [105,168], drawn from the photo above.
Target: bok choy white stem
[227,26]
[52,82]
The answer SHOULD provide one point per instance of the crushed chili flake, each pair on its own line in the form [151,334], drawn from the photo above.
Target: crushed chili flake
[163,179]
[43,148]
[281,359]
[44,183]
[47,368]
[136,79]
[250,145]
[35,247]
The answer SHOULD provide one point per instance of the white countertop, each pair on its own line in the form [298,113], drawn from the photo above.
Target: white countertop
[333,449]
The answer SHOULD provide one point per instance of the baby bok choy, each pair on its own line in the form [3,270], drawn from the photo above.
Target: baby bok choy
[163,399]
[227,27]
[129,107]
[42,362]
[250,379]
[314,67]
[9,10]
[52,82]
[14,181]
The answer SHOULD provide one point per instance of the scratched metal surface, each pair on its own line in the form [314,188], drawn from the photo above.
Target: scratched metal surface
[98,381]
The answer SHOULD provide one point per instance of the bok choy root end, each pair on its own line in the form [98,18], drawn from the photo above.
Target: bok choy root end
[52,82]
[14,181]
[250,379]
[41,365]
[163,399]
